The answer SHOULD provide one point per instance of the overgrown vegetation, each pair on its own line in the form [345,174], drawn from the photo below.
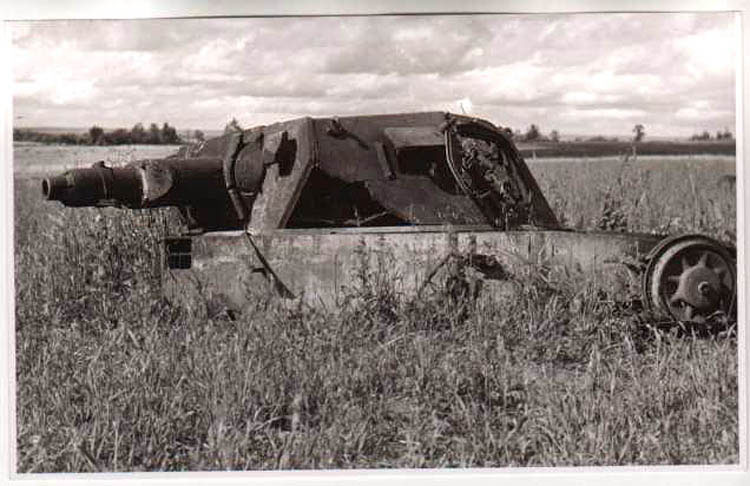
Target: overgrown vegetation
[665,196]
[111,378]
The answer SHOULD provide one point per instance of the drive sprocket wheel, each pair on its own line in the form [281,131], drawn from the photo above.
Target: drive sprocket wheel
[691,279]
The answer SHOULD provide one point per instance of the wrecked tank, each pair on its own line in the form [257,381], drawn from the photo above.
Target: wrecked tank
[302,208]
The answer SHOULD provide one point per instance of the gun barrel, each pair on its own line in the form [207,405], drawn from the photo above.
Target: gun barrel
[94,186]
[142,184]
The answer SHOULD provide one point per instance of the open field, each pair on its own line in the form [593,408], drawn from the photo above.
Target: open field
[37,160]
[112,378]
[653,194]
[615,148]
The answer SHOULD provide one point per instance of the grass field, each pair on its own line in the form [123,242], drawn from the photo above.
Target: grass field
[109,377]
[614,148]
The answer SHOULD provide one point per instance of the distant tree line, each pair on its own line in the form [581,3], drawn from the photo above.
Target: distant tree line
[534,134]
[725,135]
[96,135]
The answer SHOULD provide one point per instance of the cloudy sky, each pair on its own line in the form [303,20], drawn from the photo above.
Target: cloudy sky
[576,73]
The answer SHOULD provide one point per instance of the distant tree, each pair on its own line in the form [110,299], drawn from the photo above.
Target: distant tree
[532,133]
[725,135]
[169,134]
[640,132]
[154,134]
[138,133]
[95,134]
[199,135]
[120,136]
[232,126]
[702,137]
[554,135]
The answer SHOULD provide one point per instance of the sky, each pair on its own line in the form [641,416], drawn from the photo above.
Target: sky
[579,74]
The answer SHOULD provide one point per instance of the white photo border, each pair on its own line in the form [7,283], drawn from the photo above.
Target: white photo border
[89,9]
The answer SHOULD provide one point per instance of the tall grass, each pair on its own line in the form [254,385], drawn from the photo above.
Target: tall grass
[650,194]
[112,378]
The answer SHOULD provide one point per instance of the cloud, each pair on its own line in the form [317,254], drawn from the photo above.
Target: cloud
[576,73]
[709,52]
[384,45]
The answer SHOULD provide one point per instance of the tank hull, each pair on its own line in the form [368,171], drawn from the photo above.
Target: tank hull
[324,266]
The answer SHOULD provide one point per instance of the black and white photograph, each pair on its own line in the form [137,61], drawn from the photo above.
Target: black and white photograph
[431,241]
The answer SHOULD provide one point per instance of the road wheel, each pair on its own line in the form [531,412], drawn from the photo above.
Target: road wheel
[691,279]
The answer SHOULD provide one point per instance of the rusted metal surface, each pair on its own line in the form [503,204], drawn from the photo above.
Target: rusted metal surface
[303,207]
[691,278]
[354,171]
[292,146]
[319,265]
[142,184]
